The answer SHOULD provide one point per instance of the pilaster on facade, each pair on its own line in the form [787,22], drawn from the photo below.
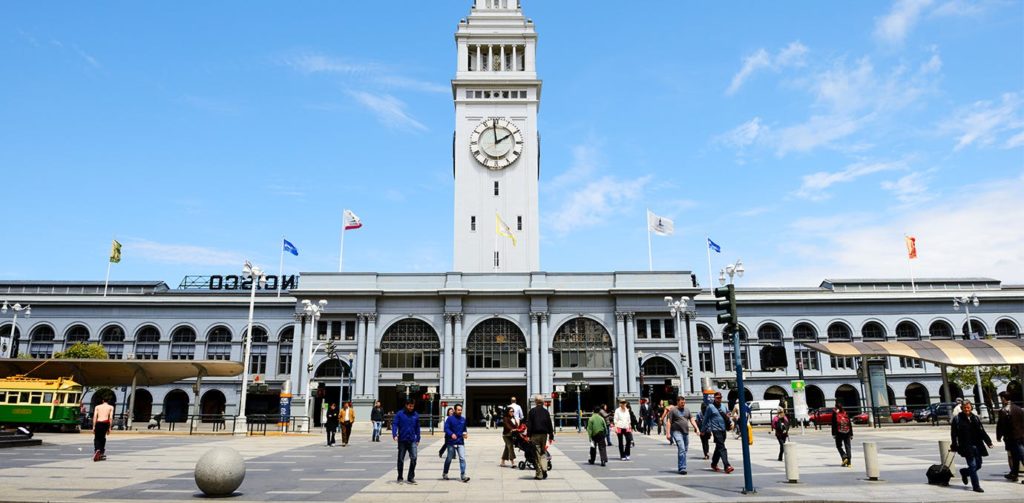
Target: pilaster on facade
[547,363]
[536,366]
[460,357]
[633,383]
[447,358]
[621,374]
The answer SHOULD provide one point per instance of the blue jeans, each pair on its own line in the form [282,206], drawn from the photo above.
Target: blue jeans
[682,441]
[404,447]
[460,450]
[376,430]
[973,465]
[1016,453]
[720,450]
[608,434]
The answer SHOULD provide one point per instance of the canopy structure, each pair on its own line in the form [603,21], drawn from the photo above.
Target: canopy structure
[957,353]
[121,372]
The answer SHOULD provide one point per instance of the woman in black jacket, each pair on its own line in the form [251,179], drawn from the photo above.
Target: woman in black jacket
[969,439]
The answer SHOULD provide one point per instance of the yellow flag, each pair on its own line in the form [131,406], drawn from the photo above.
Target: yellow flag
[115,252]
[503,229]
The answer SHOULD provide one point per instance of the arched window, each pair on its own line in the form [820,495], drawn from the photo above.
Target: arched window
[42,342]
[147,341]
[183,344]
[148,333]
[977,328]
[496,344]
[259,334]
[705,348]
[258,349]
[218,343]
[113,341]
[1006,329]
[728,336]
[907,331]
[873,331]
[805,332]
[771,333]
[658,366]
[582,343]
[284,351]
[333,368]
[839,332]
[703,333]
[77,333]
[940,330]
[219,333]
[410,344]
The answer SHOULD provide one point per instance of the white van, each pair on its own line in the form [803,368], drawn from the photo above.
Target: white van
[762,411]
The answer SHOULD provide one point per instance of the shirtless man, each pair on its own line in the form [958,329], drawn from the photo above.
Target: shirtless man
[102,417]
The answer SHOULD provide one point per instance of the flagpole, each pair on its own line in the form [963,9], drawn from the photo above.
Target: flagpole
[280,270]
[341,253]
[107,281]
[650,257]
[707,246]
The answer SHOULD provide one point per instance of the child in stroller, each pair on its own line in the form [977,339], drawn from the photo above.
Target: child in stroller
[522,442]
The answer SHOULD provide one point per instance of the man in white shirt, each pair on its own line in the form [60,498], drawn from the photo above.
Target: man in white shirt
[518,410]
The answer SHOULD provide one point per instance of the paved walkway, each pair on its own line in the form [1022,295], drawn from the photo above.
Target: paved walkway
[301,468]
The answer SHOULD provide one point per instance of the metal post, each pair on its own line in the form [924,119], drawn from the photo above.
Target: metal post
[131,401]
[748,477]
[579,411]
[980,397]
[431,415]
[559,413]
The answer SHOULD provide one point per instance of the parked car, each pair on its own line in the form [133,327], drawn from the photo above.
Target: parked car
[762,411]
[861,418]
[822,416]
[900,415]
[942,410]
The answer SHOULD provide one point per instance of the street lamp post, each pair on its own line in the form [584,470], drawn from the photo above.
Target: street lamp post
[258,278]
[7,343]
[733,270]
[351,371]
[312,313]
[680,309]
[966,301]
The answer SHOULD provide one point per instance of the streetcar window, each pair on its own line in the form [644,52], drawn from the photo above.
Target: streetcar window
[3,396]
[47,397]
[36,396]
[24,397]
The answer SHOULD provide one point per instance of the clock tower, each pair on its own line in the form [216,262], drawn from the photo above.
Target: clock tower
[496,149]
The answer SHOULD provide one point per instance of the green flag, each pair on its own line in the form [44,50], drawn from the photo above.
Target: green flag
[115,252]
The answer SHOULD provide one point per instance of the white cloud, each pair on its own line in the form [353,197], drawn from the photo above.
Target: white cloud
[596,203]
[894,27]
[959,8]
[86,56]
[791,55]
[815,184]
[745,134]
[933,65]
[584,164]
[983,122]
[389,110]
[909,189]
[181,254]
[369,72]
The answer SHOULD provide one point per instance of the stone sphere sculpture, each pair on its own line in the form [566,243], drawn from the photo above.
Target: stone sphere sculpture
[220,471]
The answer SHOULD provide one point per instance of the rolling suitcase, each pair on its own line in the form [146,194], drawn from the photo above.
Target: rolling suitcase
[939,475]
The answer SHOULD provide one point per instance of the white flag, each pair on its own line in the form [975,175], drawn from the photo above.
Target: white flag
[660,225]
[352,221]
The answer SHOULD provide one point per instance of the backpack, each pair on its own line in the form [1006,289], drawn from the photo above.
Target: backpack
[781,427]
[842,423]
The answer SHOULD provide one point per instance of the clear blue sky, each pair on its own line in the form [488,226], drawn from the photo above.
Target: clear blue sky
[805,137]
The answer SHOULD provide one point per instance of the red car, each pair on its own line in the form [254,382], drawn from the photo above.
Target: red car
[822,416]
[861,418]
[901,415]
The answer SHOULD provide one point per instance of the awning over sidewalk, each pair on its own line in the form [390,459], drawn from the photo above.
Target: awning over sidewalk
[959,353]
[120,372]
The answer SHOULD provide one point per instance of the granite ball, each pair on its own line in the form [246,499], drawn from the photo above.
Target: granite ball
[220,471]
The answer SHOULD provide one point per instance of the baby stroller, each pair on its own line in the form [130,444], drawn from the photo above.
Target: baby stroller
[522,442]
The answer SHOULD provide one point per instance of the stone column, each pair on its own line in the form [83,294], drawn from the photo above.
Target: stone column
[358,375]
[460,358]
[693,357]
[448,373]
[535,367]
[298,361]
[369,366]
[633,384]
[620,355]
[547,370]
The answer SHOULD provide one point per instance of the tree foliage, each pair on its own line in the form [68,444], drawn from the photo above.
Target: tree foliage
[964,376]
[81,350]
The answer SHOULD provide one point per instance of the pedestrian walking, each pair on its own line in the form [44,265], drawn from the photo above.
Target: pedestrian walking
[608,423]
[517,409]
[718,422]
[377,420]
[705,432]
[1010,430]
[455,436]
[623,429]
[596,430]
[347,418]
[509,427]
[331,425]
[634,425]
[405,429]
[444,447]
[678,420]
[842,432]
[645,417]
[969,439]
[540,429]
[102,418]
[780,425]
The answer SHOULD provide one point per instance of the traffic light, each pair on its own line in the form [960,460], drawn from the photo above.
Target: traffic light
[726,307]
[773,357]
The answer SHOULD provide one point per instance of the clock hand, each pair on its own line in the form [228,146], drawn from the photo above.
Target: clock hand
[495,131]
[503,138]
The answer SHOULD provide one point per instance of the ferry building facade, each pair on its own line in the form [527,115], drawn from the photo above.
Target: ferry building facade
[499,326]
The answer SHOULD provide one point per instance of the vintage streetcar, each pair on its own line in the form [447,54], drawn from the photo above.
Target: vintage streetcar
[40,403]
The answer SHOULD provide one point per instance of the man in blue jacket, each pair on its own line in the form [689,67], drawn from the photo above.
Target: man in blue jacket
[455,438]
[405,429]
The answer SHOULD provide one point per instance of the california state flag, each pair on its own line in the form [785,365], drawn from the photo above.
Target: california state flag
[911,246]
[352,221]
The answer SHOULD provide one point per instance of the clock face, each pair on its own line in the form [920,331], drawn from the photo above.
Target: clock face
[496,143]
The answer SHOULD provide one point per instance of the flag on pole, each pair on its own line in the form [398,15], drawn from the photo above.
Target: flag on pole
[290,248]
[352,221]
[115,252]
[911,242]
[660,225]
[503,229]
[714,246]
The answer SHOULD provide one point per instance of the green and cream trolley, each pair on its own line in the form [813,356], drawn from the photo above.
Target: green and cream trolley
[28,401]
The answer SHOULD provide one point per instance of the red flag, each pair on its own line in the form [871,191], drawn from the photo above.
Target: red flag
[911,246]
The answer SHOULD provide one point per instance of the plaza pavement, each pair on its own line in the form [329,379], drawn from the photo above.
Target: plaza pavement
[158,467]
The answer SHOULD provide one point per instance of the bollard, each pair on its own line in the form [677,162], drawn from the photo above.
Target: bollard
[792,463]
[871,460]
[944,456]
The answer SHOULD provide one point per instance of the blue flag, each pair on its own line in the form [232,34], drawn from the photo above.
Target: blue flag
[290,248]
[714,246]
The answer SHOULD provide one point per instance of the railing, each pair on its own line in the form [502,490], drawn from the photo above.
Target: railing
[257,424]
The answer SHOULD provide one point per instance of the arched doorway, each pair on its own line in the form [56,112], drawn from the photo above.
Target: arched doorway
[336,377]
[213,404]
[815,397]
[102,393]
[408,346]
[175,407]
[849,397]
[734,393]
[954,392]
[892,395]
[582,344]
[917,396]
[494,347]
[142,409]
[656,371]
[778,394]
